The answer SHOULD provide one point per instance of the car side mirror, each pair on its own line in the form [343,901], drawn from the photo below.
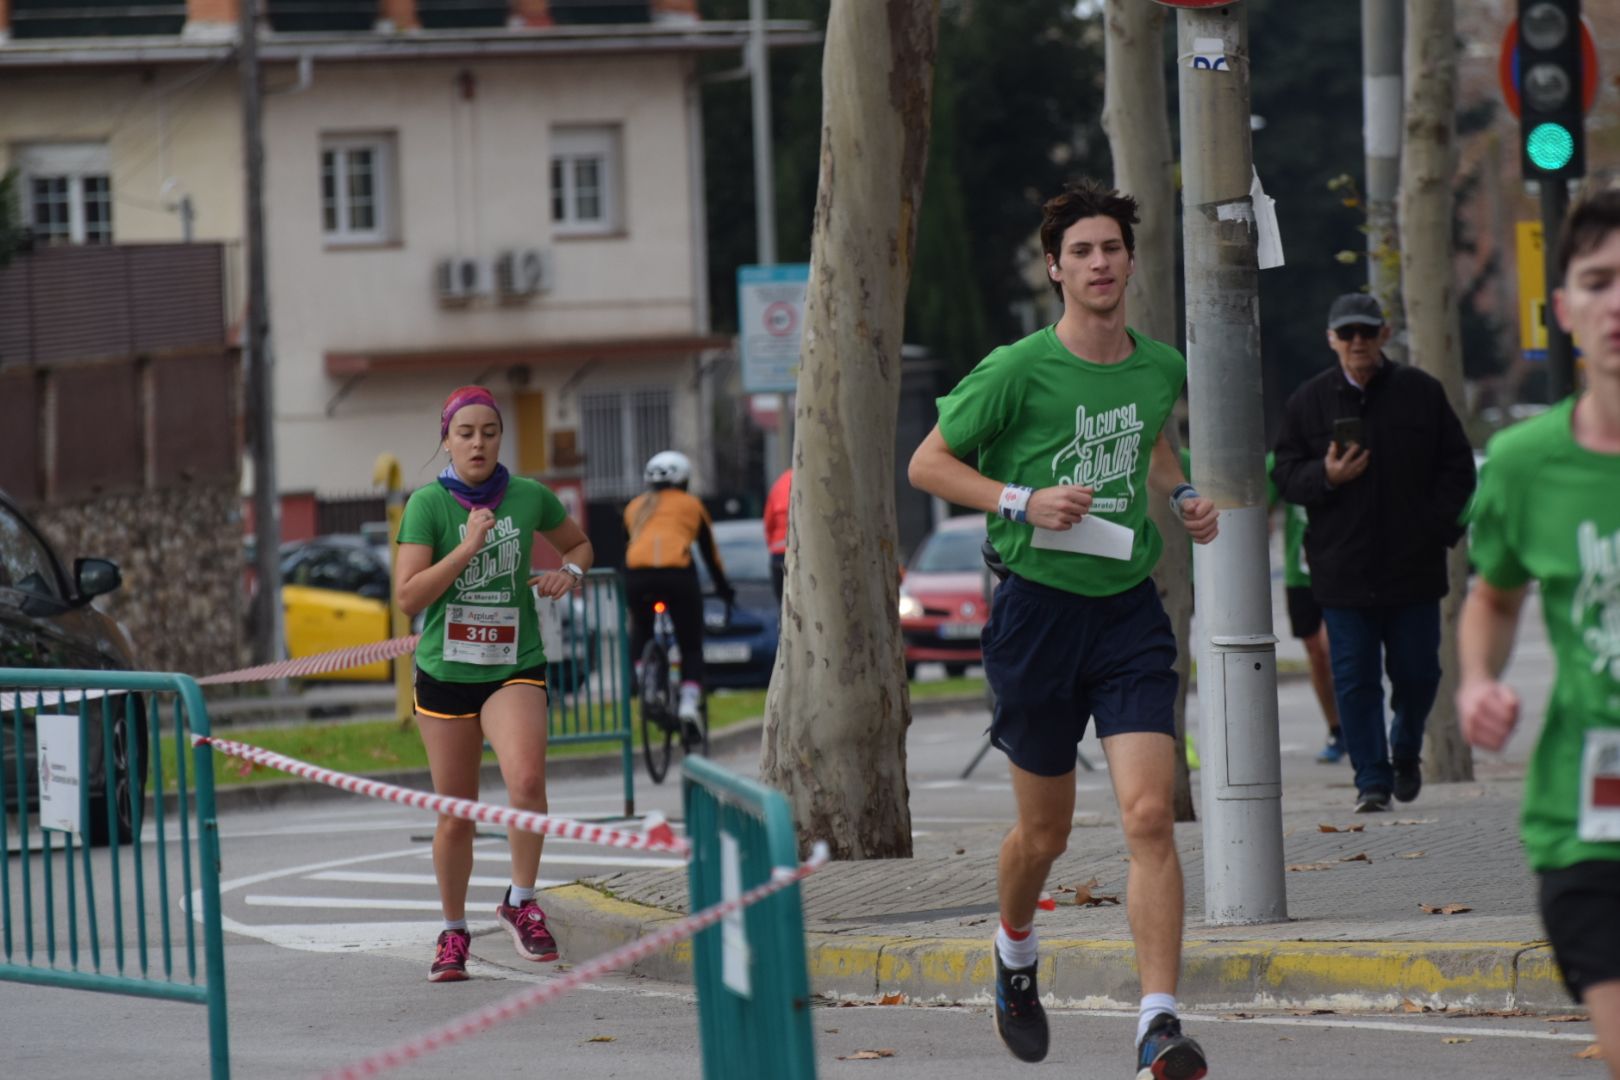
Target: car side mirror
[95,577]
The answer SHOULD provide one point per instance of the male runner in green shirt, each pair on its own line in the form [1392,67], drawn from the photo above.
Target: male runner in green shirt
[1548,511]
[1068,427]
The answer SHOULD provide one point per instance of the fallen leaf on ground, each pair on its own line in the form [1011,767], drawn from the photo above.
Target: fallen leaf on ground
[1342,828]
[600,1038]
[868,1055]
[1410,1006]
[1445,909]
[961,851]
[1238,1016]
[1453,1040]
[1084,897]
[1409,821]
[896,998]
[829,1031]
[1565,1018]
[1411,855]
[1591,1053]
[1360,856]
[1312,1012]
[1302,867]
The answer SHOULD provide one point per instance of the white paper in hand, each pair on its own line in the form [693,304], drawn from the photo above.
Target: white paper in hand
[1092,536]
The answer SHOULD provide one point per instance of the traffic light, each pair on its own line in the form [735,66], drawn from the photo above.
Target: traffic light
[1551,118]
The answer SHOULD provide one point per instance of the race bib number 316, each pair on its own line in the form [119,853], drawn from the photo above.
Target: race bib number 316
[480,635]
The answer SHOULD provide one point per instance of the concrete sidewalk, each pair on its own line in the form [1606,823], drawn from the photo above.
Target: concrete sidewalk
[1358,936]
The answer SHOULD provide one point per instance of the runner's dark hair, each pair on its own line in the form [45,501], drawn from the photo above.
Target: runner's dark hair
[1590,221]
[1084,198]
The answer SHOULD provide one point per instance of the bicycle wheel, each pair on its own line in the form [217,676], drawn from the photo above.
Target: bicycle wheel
[657,723]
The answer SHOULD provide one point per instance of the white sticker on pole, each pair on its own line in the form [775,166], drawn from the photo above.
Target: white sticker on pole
[1209,54]
[734,957]
[59,780]
[770,325]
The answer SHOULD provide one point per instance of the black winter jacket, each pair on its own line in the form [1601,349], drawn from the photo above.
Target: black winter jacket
[1380,539]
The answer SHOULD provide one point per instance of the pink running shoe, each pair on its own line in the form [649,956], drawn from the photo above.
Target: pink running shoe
[527,925]
[450,960]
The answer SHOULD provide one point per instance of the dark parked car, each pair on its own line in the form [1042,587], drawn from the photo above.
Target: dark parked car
[46,621]
[742,651]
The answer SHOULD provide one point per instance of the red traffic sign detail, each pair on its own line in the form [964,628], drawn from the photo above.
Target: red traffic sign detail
[1507,67]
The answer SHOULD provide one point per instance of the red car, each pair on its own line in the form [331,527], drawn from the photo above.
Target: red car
[942,597]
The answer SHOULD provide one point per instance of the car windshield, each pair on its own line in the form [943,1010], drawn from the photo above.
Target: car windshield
[743,552]
[949,551]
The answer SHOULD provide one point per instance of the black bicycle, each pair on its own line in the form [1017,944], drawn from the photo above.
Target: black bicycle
[659,692]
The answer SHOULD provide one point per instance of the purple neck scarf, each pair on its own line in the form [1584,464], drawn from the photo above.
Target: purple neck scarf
[485,495]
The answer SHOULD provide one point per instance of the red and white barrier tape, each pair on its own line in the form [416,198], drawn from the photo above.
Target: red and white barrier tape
[483,1019]
[319,664]
[658,837]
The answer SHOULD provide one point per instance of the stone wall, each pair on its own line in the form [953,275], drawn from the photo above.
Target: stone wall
[183,600]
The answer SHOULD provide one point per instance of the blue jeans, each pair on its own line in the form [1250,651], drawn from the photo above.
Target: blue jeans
[1409,639]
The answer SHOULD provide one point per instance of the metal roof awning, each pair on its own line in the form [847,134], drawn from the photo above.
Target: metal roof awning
[350,363]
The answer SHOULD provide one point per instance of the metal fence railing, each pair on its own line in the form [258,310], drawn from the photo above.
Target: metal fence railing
[109,877]
[589,671]
[752,983]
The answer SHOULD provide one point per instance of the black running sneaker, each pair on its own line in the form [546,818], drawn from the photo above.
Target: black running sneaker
[1372,802]
[1167,1054]
[1408,779]
[1020,1019]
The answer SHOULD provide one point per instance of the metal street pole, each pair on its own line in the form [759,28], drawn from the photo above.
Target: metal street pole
[1382,25]
[1560,350]
[267,621]
[759,70]
[1237,668]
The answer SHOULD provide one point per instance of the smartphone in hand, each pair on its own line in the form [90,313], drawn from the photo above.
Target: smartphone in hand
[1347,430]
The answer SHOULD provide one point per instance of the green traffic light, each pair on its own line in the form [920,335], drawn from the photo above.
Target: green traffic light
[1550,146]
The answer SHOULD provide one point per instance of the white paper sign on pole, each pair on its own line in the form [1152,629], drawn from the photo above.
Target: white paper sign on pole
[59,779]
[770,325]
[734,955]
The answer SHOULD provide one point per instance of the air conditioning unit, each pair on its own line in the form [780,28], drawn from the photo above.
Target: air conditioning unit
[523,273]
[459,280]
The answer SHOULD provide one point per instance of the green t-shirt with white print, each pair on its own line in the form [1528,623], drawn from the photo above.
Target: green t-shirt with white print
[1039,415]
[1548,510]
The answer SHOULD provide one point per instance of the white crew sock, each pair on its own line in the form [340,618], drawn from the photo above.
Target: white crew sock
[516,896]
[1015,952]
[1153,1005]
[455,924]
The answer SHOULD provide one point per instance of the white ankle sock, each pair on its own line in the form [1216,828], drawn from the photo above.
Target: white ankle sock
[455,924]
[515,896]
[1153,1005]
[1015,953]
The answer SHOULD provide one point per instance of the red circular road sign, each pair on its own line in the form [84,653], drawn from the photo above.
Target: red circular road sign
[1507,67]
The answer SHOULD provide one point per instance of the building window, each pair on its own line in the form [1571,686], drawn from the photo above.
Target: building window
[67,192]
[585,180]
[357,189]
[623,428]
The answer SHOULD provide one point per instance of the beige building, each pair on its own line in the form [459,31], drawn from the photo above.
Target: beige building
[452,195]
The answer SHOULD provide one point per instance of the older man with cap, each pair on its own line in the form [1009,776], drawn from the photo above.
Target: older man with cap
[1376,455]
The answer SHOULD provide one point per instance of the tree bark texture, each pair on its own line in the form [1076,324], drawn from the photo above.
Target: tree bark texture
[838,708]
[1428,165]
[1137,120]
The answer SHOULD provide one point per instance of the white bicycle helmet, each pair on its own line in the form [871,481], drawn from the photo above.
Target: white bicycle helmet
[667,467]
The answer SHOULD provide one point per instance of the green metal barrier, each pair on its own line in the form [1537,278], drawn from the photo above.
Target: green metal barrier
[589,673]
[752,983]
[113,907]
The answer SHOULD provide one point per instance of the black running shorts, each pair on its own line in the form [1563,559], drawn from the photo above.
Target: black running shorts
[464,701]
[1578,904]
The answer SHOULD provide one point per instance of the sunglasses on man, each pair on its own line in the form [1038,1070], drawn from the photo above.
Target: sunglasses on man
[1352,331]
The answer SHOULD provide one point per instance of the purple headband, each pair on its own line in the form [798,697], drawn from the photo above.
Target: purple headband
[459,399]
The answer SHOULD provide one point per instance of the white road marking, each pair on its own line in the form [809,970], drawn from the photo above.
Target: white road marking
[629,862]
[367,877]
[385,903]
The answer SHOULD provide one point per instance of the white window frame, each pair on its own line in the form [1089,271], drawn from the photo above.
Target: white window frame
[383,189]
[571,147]
[75,163]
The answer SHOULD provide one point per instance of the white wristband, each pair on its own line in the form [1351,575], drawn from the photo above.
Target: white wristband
[1014,504]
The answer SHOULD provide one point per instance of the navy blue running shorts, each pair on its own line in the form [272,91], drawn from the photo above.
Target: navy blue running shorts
[1056,659]
[1577,907]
